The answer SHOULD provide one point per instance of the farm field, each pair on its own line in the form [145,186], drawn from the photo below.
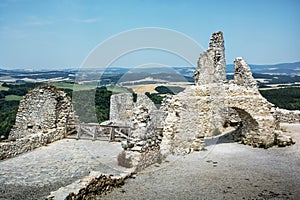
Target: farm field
[13,98]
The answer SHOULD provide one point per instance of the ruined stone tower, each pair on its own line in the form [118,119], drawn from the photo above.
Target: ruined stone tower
[208,108]
[212,63]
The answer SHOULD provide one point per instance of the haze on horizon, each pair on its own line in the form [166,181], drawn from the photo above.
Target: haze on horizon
[61,33]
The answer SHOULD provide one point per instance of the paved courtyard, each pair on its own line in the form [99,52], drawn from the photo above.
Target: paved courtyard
[36,173]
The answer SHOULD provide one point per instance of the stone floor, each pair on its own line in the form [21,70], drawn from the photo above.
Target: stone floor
[56,165]
[224,171]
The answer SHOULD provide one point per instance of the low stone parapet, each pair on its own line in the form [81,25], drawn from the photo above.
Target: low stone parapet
[287,116]
[9,149]
[90,186]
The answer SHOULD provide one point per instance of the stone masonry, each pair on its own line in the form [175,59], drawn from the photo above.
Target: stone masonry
[204,110]
[40,120]
[121,106]
[212,63]
[42,110]
[243,75]
[288,116]
[141,149]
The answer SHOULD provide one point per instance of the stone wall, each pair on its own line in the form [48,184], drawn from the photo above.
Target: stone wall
[212,63]
[204,114]
[121,106]
[122,109]
[142,147]
[27,143]
[242,74]
[205,110]
[90,186]
[40,120]
[287,116]
[42,110]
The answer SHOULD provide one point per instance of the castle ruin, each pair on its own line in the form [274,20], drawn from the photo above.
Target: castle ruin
[215,104]
[40,120]
[212,107]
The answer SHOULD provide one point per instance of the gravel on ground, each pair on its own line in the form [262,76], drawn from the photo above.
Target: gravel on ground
[224,171]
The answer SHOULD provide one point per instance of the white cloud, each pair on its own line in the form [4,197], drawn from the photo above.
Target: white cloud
[35,21]
[87,21]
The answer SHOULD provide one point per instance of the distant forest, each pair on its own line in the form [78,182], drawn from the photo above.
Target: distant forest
[287,98]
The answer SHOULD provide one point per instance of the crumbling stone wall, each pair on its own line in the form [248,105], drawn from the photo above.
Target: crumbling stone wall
[121,107]
[40,120]
[243,75]
[212,63]
[192,119]
[9,149]
[100,185]
[141,149]
[202,110]
[287,116]
[42,110]
[89,186]
[205,110]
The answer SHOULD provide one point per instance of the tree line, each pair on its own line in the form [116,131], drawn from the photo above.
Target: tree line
[287,98]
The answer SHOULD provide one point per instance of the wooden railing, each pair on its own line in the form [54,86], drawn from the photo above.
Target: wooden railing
[96,131]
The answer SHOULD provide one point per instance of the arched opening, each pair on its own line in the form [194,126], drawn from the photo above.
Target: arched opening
[237,125]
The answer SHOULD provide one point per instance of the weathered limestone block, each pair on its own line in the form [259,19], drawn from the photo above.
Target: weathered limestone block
[121,106]
[212,63]
[143,100]
[283,140]
[139,161]
[242,74]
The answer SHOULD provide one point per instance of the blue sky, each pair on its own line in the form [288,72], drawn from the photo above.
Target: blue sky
[61,33]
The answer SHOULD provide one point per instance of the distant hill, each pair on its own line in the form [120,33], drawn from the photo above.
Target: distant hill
[282,68]
[278,73]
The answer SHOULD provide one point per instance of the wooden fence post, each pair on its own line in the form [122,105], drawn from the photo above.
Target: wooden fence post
[78,132]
